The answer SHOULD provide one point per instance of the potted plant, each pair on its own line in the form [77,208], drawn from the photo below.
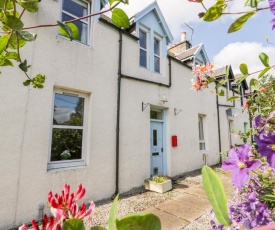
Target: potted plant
[160,184]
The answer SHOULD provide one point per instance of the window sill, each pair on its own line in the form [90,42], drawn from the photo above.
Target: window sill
[75,41]
[60,166]
[152,71]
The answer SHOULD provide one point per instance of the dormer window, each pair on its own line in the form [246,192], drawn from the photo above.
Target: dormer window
[72,9]
[156,55]
[150,50]
[143,48]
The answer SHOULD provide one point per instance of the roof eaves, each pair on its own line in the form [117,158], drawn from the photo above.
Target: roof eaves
[154,6]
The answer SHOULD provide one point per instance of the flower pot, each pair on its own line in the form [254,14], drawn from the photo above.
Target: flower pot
[158,187]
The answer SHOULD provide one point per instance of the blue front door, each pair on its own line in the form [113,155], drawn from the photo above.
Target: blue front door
[156,148]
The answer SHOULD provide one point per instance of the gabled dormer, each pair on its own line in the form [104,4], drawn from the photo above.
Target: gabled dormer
[190,55]
[154,35]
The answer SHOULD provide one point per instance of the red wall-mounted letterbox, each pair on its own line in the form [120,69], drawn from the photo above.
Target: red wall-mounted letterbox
[174,141]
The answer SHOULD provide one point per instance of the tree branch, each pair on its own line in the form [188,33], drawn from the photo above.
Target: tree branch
[74,20]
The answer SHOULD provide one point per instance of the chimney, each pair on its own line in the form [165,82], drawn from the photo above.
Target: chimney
[183,36]
[180,47]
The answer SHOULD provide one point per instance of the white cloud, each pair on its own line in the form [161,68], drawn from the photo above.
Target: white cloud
[244,52]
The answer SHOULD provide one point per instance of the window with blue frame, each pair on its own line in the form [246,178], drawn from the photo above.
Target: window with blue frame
[156,55]
[72,9]
[143,48]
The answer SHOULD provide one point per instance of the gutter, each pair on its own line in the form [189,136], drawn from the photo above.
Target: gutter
[218,116]
[118,110]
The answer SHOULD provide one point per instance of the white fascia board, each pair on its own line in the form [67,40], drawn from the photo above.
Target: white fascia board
[154,6]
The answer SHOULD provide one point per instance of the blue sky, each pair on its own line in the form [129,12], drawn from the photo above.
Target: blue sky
[214,34]
[243,46]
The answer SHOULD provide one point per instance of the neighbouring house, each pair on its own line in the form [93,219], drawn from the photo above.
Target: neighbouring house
[117,107]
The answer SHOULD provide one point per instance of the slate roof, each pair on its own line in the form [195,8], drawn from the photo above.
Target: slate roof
[189,53]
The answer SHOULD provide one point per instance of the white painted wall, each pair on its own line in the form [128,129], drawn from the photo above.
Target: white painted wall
[26,118]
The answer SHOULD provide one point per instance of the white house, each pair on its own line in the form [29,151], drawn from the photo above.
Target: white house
[111,105]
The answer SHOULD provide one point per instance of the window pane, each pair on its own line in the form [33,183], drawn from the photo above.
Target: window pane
[68,110]
[82,28]
[157,65]
[202,146]
[156,46]
[201,134]
[76,8]
[155,138]
[143,58]
[142,39]
[66,144]
[155,115]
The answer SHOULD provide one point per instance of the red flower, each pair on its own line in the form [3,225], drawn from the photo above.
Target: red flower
[66,200]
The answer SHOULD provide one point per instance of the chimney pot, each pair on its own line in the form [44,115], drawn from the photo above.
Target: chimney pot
[183,36]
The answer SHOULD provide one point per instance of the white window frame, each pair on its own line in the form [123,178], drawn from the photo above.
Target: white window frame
[146,31]
[69,163]
[159,39]
[88,22]
[202,119]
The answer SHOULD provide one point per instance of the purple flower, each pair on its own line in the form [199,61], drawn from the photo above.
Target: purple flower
[266,147]
[259,123]
[272,9]
[272,6]
[273,23]
[240,164]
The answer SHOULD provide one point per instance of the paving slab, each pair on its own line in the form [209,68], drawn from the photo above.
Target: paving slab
[194,201]
[168,221]
[180,210]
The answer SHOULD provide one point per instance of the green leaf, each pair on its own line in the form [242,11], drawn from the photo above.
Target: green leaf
[213,13]
[74,29]
[252,3]
[14,43]
[13,22]
[3,42]
[27,36]
[65,30]
[264,59]
[73,224]
[233,98]
[27,82]
[5,62]
[11,55]
[216,194]
[266,108]
[112,1]
[29,5]
[221,93]
[2,3]
[24,66]
[97,228]
[254,84]
[112,215]
[210,79]
[120,18]
[269,197]
[238,24]
[244,69]
[264,71]
[139,221]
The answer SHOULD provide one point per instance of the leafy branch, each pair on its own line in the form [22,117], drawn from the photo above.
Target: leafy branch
[16,35]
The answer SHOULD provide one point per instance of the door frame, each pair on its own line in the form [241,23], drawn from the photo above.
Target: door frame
[164,138]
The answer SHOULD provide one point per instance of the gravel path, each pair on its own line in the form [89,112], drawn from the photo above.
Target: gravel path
[143,199]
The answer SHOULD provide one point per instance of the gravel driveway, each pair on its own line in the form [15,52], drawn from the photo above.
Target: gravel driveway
[141,199]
